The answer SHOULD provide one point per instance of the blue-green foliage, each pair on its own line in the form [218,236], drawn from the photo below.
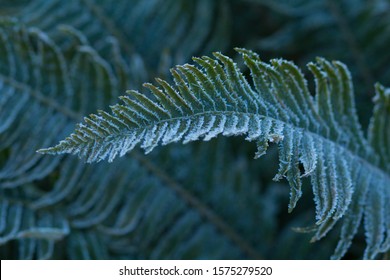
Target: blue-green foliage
[61,60]
[321,133]
[161,32]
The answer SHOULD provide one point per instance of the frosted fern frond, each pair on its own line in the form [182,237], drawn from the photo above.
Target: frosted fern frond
[321,133]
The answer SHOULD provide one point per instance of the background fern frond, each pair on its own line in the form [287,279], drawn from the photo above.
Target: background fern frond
[172,30]
[26,91]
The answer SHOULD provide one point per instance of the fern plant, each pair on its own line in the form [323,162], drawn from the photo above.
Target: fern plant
[321,133]
[60,61]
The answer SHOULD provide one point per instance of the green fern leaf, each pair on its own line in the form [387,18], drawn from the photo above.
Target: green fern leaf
[322,133]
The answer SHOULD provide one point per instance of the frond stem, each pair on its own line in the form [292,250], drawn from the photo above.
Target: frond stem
[203,209]
[109,24]
[364,161]
[41,98]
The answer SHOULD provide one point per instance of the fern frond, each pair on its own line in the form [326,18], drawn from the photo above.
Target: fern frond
[179,28]
[36,231]
[74,189]
[36,81]
[32,76]
[322,133]
[146,214]
[40,97]
[379,129]
[312,27]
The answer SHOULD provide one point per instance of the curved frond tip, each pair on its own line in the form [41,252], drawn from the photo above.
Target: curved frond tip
[321,133]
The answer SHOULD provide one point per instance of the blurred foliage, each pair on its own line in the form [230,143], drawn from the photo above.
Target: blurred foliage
[60,60]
